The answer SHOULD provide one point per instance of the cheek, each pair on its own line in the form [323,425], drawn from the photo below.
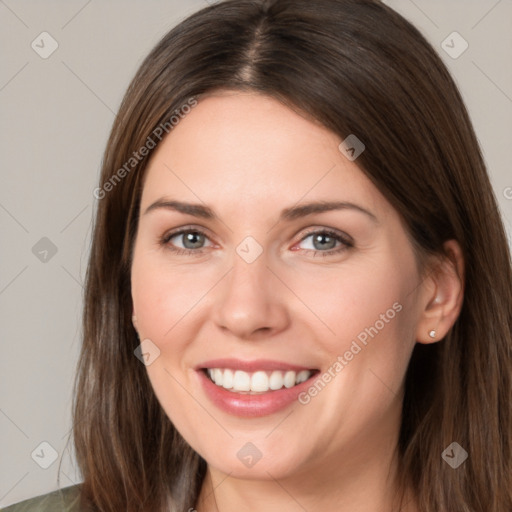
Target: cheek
[360,301]
[369,312]
[161,300]
[162,297]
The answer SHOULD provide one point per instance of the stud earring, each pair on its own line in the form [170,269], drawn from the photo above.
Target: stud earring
[432,333]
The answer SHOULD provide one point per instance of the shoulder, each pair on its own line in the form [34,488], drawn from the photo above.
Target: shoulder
[62,500]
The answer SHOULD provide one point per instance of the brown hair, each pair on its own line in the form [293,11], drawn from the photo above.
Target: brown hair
[357,67]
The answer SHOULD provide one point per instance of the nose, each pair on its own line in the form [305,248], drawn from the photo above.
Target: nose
[251,302]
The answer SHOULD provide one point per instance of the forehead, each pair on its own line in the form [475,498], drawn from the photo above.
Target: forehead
[251,149]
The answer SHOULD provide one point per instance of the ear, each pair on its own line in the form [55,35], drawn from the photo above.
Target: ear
[442,295]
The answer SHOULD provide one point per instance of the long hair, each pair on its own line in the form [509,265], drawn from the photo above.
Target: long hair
[357,67]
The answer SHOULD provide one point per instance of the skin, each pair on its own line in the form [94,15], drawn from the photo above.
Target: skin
[248,157]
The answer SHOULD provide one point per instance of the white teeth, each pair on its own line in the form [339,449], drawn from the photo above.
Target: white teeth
[276,380]
[257,382]
[289,379]
[303,376]
[241,381]
[227,379]
[217,376]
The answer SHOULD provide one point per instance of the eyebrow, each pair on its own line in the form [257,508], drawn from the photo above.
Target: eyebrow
[288,214]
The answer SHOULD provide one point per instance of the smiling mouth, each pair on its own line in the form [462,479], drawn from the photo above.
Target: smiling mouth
[261,381]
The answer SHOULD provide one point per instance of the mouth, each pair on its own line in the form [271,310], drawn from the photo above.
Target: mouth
[257,382]
[253,388]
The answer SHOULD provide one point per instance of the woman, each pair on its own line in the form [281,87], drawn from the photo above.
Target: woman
[299,289]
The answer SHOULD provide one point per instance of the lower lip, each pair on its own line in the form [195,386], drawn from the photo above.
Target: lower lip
[251,406]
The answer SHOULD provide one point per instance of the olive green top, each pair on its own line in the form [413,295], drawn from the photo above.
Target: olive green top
[61,500]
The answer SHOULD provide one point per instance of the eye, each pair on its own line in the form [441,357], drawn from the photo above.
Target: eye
[324,242]
[192,241]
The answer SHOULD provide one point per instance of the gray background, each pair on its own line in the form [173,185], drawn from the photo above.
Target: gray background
[56,114]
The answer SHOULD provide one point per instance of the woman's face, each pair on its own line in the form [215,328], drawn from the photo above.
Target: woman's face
[265,291]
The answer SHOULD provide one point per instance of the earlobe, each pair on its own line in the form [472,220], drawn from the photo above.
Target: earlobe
[444,295]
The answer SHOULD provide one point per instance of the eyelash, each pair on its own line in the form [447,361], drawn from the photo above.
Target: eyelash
[345,241]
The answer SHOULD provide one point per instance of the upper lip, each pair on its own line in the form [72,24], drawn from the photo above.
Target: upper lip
[251,366]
